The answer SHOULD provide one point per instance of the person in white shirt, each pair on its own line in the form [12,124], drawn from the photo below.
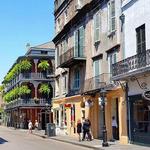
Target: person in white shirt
[36,125]
[30,126]
[114,128]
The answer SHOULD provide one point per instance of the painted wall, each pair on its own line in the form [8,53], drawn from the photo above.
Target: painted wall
[136,14]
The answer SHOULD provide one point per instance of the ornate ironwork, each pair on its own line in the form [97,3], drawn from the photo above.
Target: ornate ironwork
[26,103]
[71,54]
[97,82]
[142,85]
[131,63]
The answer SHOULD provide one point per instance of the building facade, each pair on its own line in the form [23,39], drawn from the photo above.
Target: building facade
[87,43]
[29,87]
[134,68]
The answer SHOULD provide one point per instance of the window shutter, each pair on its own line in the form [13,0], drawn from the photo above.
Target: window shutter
[96,27]
[96,69]
[112,15]
[81,41]
[76,46]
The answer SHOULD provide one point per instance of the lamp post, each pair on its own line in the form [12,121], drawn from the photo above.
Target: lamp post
[46,109]
[103,95]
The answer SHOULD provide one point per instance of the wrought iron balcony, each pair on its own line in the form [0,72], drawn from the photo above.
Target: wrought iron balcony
[132,65]
[70,57]
[26,103]
[97,82]
[29,76]
[73,92]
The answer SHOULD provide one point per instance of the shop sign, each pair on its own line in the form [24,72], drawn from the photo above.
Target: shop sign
[67,105]
[146,95]
[89,103]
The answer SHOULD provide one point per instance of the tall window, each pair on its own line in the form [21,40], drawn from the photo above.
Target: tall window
[140,38]
[96,67]
[97,27]
[65,44]
[112,58]
[96,73]
[58,58]
[79,42]
[64,86]
[76,79]
[65,16]
[111,16]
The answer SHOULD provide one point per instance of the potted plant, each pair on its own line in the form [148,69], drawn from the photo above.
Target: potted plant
[43,65]
[45,89]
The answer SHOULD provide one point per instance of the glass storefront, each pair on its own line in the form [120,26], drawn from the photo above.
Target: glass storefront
[140,120]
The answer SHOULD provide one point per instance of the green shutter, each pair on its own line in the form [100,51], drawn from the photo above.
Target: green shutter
[112,15]
[81,41]
[97,71]
[96,27]
[76,46]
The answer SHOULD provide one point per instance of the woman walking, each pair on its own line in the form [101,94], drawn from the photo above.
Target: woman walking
[79,128]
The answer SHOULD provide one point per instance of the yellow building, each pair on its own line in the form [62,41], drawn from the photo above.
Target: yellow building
[86,47]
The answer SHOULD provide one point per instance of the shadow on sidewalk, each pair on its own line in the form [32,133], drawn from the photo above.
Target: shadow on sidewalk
[2,141]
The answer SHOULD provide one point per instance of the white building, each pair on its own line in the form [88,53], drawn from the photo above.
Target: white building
[135,67]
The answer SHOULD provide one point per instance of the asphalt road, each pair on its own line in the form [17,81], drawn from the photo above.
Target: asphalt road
[19,140]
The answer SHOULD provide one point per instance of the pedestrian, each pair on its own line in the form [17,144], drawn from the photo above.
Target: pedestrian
[89,133]
[30,126]
[79,129]
[36,125]
[86,130]
[114,128]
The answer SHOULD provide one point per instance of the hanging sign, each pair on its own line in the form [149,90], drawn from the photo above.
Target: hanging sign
[67,105]
[146,95]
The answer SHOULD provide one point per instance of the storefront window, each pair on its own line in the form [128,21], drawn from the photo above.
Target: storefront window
[140,121]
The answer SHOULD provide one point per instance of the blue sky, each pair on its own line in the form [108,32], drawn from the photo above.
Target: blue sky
[22,22]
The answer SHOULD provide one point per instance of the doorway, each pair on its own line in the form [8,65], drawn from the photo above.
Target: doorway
[114,112]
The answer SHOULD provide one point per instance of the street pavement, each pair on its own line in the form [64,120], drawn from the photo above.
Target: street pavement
[11,139]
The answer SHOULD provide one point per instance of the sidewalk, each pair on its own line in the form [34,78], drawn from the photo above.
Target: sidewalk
[94,144]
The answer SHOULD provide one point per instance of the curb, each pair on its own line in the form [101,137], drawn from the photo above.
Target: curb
[69,142]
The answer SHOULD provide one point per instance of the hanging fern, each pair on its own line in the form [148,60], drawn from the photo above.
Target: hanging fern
[25,65]
[15,93]
[43,65]
[44,89]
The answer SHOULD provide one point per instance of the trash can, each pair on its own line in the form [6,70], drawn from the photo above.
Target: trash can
[50,129]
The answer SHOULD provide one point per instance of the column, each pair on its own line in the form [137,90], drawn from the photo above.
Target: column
[36,64]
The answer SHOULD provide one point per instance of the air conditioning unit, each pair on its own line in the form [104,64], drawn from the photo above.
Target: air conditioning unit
[77,7]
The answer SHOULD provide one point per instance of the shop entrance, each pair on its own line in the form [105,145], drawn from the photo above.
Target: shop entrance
[140,121]
[114,113]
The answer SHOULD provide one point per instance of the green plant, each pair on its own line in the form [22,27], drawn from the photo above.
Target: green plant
[43,65]
[15,93]
[44,89]
[25,65]
[23,90]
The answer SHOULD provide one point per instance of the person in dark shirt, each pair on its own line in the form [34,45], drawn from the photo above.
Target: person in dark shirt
[79,128]
[86,129]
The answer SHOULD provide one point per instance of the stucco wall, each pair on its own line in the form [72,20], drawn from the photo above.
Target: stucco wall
[136,14]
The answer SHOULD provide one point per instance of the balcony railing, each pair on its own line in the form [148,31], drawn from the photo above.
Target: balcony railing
[26,103]
[29,76]
[97,82]
[131,64]
[70,57]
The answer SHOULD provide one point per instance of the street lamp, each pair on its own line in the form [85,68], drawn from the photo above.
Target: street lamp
[103,95]
[47,110]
